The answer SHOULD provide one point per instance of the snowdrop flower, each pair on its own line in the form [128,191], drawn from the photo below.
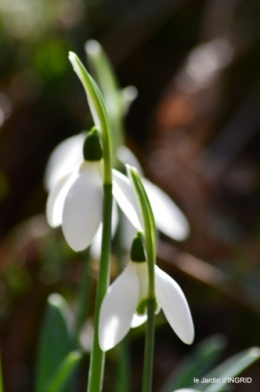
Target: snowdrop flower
[75,200]
[127,296]
[169,218]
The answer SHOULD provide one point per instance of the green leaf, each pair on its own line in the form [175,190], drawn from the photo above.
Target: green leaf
[107,81]
[64,372]
[103,72]
[117,100]
[230,368]
[147,212]
[196,364]
[98,111]
[55,341]
[149,226]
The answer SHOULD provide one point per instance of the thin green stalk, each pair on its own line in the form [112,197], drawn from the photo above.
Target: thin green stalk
[150,242]
[123,360]
[101,120]
[84,297]
[123,366]
[97,359]
[149,347]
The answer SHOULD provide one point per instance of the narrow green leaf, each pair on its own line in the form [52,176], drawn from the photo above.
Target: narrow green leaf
[147,212]
[98,111]
[64,372]
[150,246]
[117,100]
[94,96]
[229,369]
[103,71]
[196,364]
[55,342]
[105,76]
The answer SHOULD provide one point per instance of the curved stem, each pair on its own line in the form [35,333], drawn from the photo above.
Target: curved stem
[150,243]
[123,360]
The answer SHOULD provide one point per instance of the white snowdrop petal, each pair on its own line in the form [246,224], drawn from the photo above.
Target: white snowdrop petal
[138,320]
[169,219]
[128,157]
[117,308]
[63,159]
[128,233]
[97,241]
[124,196]
[174,305]
[56,199]
[82,212]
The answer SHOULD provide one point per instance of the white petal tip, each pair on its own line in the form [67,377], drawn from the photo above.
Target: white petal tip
[189,338]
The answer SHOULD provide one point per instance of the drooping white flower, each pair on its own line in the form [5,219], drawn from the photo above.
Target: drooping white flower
[169,218]
[128,294]
[127,297]
[75,202]
[64,166]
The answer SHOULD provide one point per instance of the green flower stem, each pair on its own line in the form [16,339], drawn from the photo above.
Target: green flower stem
[84,296]
[123,360]
[150,245]
[97,360]
[123,367]
[149,347]
[100,117]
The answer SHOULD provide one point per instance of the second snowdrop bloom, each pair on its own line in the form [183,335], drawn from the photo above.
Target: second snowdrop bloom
[127,297]
[75,200]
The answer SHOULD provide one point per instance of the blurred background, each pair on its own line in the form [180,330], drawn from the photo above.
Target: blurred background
[195,129]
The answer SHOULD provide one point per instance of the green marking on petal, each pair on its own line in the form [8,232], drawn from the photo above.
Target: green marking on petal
[92,149]
[142,307]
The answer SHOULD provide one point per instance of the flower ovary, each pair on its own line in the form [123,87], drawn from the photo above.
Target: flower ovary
[137,250]
[92,149]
